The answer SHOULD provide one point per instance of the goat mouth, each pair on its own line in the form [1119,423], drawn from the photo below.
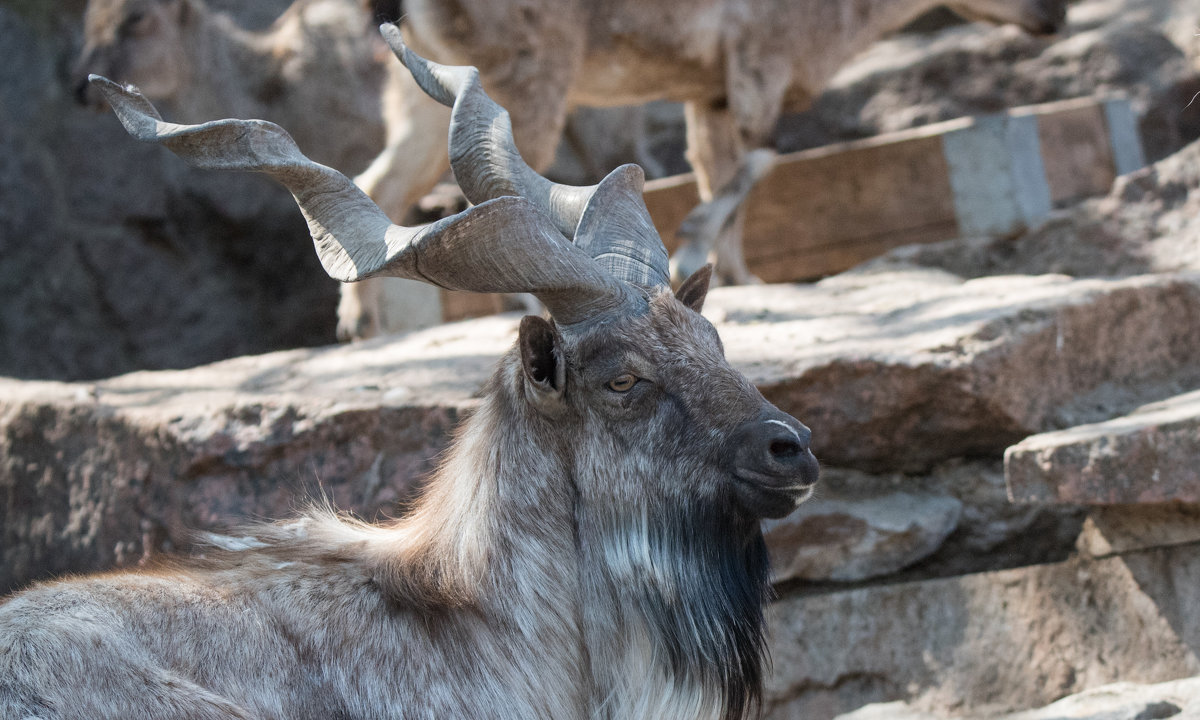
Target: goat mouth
[772,496]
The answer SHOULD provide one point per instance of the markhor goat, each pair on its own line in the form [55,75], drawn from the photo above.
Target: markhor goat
[589,548]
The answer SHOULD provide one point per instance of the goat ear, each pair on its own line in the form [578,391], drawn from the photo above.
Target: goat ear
[693,290]
[542,361]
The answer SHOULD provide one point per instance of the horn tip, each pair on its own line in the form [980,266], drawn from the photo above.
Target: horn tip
[104,83]
[394,39]
[390,30]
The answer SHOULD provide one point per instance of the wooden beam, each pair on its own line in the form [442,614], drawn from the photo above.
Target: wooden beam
[825,210]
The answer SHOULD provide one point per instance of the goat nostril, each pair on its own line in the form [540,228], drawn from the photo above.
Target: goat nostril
[784,448]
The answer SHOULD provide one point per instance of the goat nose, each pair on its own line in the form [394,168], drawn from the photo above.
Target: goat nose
[787,446]
[773,465]
[779,448]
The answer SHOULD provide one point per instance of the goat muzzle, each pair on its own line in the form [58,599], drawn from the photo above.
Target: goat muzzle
[773,464]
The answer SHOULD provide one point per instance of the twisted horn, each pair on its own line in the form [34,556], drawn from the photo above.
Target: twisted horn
[505,245]
[487,165]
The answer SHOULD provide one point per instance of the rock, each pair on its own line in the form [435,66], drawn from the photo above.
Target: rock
[1115,529]
[897,371]
[109,474]
[1179,700]
[1148,456]
[954,520]
[1129,47]
[984,644]
[848,538]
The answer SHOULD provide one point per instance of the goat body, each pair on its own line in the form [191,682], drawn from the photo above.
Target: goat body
[589,547]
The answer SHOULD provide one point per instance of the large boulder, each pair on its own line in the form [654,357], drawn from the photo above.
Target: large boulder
[902,370]
[953,520]
[1177,700]
[110,473]
[1149,456]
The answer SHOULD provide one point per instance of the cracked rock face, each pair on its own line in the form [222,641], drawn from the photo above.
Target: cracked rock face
[989,643]
[897,373]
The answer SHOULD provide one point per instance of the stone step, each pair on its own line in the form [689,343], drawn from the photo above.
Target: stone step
[1151,455]
[1177,700]
[987,644]
[896,371]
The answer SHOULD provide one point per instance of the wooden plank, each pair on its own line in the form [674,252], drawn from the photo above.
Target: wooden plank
[825,210]
[1076,151]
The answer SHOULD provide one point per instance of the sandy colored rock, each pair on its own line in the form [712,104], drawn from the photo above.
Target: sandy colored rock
[894,372]
[953,520]
[1142,49]
[1114,529]
[1149,456]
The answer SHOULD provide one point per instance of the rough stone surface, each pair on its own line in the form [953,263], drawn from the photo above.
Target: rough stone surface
[1144,49]
[989,643]
[846,538]
[1178,700]
[1114,529]
[953,520]
[1148,456]
[898,371]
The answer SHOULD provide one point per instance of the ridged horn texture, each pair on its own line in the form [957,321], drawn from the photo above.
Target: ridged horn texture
[609,221]
[698,233]
[506,245]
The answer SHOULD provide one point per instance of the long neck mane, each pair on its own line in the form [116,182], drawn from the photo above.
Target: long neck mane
[496,518]
[673,611]
[669,598]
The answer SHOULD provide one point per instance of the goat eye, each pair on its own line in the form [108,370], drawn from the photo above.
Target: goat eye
[622,383]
